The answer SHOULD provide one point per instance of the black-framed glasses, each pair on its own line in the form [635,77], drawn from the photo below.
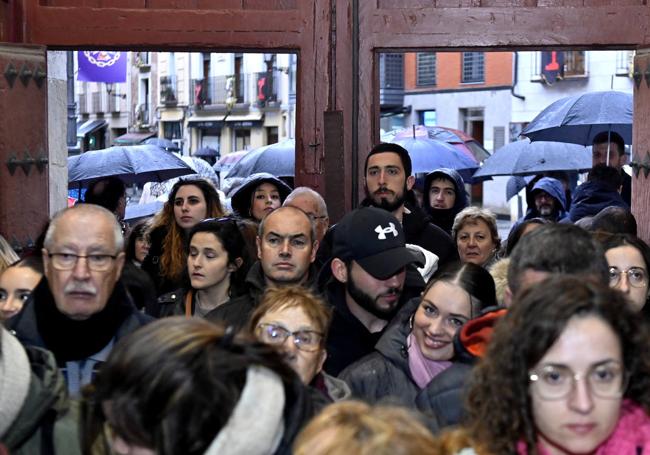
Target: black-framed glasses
[636,276]
[96,262]
[275,334]
[555,382]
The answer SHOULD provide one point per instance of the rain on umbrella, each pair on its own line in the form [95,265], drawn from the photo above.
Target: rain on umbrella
[430,154]
[132,164]
[578,119]
[525,158]
[462,141]
[224,163]
[164,144]
[206,151]
[278,159]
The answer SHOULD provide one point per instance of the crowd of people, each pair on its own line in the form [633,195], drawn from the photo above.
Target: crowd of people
[401,329]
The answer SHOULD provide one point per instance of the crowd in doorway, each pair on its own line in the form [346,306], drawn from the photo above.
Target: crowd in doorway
[255,326]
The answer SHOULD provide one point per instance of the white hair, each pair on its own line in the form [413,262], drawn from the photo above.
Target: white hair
[93,210]
[306,191]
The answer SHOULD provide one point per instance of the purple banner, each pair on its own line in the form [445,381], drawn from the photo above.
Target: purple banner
[101,66]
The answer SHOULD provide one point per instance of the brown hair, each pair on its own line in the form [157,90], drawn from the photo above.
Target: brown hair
[500,410]
[294,297]
[173,257]
[356,427]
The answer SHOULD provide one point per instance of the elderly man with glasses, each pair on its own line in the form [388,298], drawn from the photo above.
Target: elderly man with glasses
[80,308]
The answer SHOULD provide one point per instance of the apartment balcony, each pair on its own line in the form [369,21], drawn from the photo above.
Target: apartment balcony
[168,91]
[142,116]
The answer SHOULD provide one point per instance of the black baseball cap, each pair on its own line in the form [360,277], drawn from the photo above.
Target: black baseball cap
[373,238]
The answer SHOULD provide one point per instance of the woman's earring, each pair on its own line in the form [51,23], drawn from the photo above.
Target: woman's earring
[411,322]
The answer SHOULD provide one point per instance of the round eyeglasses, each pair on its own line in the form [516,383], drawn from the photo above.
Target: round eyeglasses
[636,276]
[555,382]
[274,334]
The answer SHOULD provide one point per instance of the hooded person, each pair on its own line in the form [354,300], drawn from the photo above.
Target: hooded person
[444,196]
[547,200]
[35,416]
[258,195]
[601,190]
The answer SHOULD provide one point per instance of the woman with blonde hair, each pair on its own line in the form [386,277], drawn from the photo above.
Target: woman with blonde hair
[7,254]
[476,236]
[190,201]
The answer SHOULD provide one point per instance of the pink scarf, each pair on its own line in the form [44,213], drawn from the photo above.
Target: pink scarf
[422,369]
[632,432]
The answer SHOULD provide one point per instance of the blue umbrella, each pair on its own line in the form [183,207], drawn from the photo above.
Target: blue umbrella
[430,154]
[277,159]
[577,119]
[137,211]
[132,164]
[164,144]
[525,158]
[206,151]
[515,184]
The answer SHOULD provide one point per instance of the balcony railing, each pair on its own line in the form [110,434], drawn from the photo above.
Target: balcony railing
[142,115]
[168,93]
[262,89]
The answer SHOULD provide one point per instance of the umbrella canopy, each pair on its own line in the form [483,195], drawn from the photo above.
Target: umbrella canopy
[430,154]
[515,184]
[525,158]
[577,119]
[226,162]
[277,159]
[462,141]
[137,211]
[132,164]
[164,144]
[206,151]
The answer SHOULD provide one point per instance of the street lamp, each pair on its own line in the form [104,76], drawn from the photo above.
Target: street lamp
[110,87]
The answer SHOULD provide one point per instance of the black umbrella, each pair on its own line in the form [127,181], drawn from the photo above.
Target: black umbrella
[206,151]
[164,144]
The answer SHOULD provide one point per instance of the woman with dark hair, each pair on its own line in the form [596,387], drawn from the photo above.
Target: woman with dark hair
[418,344]
[567,371]
[190,201]
[137,245]
[259,195]
[628,258]
[186,386]
[217,264]
[519,231]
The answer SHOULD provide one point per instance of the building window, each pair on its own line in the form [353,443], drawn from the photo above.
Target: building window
[242,139]
[426,68]
[473,67]
[172,130]
[574,64]
[391,72]
[428,118]
[271,134]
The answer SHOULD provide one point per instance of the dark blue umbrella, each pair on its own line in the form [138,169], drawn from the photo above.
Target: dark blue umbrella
[515,184]
[206,151]
[277,159]
[164,144]
[132,164]
[526,158]
[430,154]
[577,119]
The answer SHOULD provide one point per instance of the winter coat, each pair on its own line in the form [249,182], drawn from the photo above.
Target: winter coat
[593,196]
[554,188]
[444,218]
[139,285]
[47,422]
[238,310]
[76,344]
[151,263]
[348,340]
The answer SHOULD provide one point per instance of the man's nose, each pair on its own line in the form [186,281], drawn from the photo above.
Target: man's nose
[393,281]
[439,196]
[285,248]
[80,269]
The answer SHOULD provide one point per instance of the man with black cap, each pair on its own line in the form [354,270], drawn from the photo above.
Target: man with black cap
[368,283]
[388,186]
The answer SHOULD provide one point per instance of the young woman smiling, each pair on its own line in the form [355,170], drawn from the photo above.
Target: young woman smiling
[217,263]
[418,345]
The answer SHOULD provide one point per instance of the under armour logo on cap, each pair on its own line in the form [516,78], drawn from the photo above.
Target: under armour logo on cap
[383,231]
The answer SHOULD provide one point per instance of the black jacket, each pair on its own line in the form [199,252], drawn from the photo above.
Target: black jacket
[348,340]
[238,310]
[419,230]
[444,218]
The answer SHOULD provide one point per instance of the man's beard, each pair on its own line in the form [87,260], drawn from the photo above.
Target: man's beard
[546,212]
[368,303]
[384,203]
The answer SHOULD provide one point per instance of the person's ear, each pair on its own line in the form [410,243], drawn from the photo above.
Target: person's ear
[314,250]
[339,270]
[258,242]
[507,297]
[622,160]
[410,182]
[234,266]
[321,360]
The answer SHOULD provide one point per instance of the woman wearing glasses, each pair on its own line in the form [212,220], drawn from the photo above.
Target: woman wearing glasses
[190,201]
[295,322]
[567,372]
[419,343]
[217,263]
[628,258]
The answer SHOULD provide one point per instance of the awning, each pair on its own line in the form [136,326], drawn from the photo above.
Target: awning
[233,121]
[171,115]
[90,126]
[132,138]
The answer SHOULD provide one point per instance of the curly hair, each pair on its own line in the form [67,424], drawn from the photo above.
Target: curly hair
[172,385]
[498,401]
[472,215]
[172,260]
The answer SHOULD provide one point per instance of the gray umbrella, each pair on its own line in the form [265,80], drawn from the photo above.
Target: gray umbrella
[132,164]
[206,151]
[277,159]
[164,144]
[525,158]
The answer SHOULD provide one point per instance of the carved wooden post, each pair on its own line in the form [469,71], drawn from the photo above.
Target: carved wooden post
[641,144]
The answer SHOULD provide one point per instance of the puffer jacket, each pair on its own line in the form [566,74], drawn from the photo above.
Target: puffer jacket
[444,218]
[47,422]
[591,197]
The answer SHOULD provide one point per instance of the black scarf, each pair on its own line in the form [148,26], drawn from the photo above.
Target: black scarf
[77,340]
[443,218]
